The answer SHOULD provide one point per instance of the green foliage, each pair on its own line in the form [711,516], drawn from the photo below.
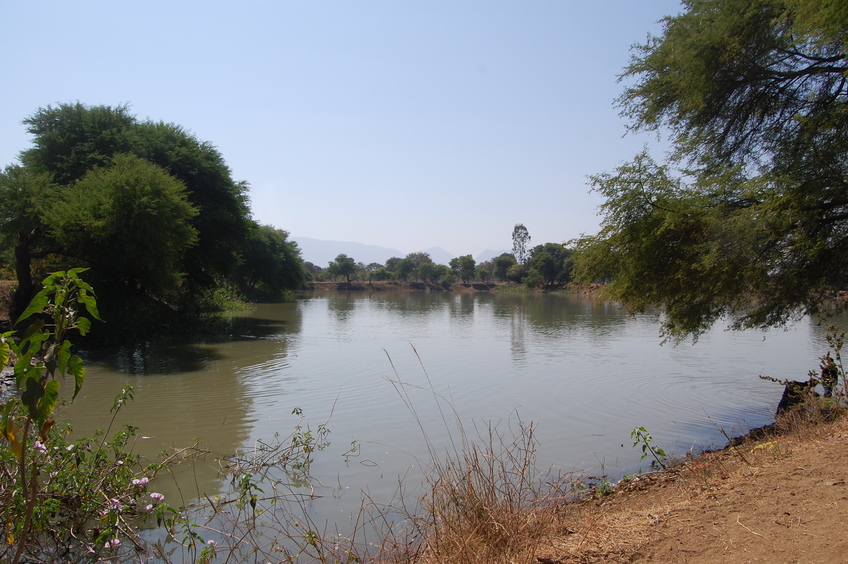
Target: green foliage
[271,265]
[502,265]
[464,267]
[71,495]
[391,264]
[550,264]
[747,220]
[342,266]
[381,274]
[223,223]
[71,139]
[152,210]
[641,438]
[427,272]
[516,273]
[131,221]
[403,269]
[484,271]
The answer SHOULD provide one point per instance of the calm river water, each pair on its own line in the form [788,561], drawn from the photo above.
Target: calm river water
[583,371]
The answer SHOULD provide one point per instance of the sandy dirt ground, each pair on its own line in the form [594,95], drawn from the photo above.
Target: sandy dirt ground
[782,499]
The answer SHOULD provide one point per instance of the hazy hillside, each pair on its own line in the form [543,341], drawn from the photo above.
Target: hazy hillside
[320,253]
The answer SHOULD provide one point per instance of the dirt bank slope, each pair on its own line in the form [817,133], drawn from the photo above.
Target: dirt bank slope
[784,499]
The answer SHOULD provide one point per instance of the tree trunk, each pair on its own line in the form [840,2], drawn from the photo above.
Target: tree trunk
[24,291]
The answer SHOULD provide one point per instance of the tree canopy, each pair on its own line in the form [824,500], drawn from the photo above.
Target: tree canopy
[748,219]
[551,263]
[131,221]
[146,205]
[271,264]
[343,266]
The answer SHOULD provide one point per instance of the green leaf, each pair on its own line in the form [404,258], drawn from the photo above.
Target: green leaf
[77,370]
[90,305]
[36,326]
[6,417]
[48,401]
[83,325]
[31,396]
[5,351]
[37,305]
[62,357]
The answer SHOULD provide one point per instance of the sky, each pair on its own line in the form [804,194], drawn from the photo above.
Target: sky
[404,124]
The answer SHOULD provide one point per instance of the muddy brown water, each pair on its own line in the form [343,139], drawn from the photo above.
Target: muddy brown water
[582,371]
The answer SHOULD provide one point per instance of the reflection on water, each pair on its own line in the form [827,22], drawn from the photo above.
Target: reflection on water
[584,371]
[187,390]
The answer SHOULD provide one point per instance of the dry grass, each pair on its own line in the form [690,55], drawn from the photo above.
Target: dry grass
[488,503]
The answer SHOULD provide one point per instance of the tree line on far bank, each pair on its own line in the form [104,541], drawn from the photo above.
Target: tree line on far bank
[151,211]
[546,265]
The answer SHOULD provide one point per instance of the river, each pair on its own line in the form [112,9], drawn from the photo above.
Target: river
[582,371]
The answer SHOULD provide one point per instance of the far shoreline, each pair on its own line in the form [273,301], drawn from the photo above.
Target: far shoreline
[469,287]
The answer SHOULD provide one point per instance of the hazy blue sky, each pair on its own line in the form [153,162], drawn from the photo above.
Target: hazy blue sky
[403,124]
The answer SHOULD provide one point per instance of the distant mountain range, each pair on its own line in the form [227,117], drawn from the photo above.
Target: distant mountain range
[321,253]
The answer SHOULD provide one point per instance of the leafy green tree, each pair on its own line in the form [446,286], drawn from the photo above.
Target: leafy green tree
[312,269]
[520,240]
[534,278]
[24,195]
[441,272]
[223,223]
[342,266]
[381,274]
[271,264]
[553,263]
[748,218]
[72,139]
[464,267]
[516,273]
[130,222]
[501,266]
[369,269]
[484,271]
[391,264]
[419,258]
[404,268]
[543,269]
[426,272]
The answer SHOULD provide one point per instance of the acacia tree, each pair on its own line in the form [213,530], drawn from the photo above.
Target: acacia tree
[501,266]
[403,268]
[749,217]
[418,259]
[271,264]
[551,262]
[70,140]
[131,222]
[342,266]
[223,221]
[464,267]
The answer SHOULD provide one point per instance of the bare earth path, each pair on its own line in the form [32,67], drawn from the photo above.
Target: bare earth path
[784,499]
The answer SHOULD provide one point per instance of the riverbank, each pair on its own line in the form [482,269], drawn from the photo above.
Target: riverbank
[400,286]
[782,498]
